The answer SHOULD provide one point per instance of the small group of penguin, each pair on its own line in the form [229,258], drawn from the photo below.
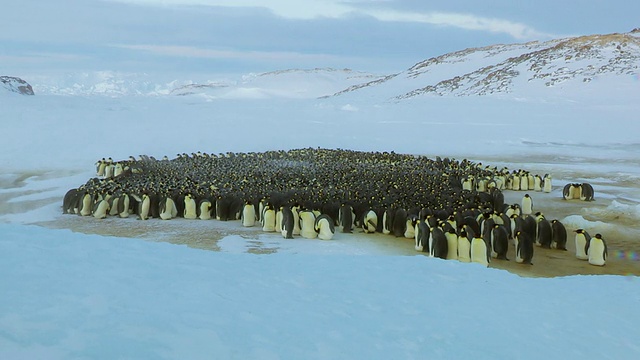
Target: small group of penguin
[314,192]
[593,249]
[581,191]
[517,180]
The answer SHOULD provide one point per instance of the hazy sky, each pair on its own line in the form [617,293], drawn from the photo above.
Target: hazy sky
[241,36]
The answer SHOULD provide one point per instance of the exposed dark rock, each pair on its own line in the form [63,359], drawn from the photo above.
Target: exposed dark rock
[16,85]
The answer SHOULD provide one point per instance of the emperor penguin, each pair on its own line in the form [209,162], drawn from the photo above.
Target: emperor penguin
[586,192]
[537,183]
[546,183]
[387,221]
[559,235]
[410,228]
[544,234]
[324,227]
[499,242]
[248,214]
[370,221]
[464,247]
[269,219]
[100,166]
[70,202]
[190,207]
[279,218]
[438,245]
[399,223]
[582,240]
[287,222]
[307,224]
[101,209]
[295,209]
[422,236]
[345,217]
[524,248]
[113,205]
[124,204]
[526,207]
[86,204]
[479,251]
[118,169]
[597,251]
[144,207]
[452,244]
[167,208]
[204,209]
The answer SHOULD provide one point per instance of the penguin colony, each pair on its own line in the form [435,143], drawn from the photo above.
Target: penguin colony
[452,209]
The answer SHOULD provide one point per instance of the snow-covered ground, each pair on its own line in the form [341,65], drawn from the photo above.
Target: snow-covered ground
[137,295]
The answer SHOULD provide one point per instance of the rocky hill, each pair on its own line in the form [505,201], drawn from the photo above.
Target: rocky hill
[16,85]
[514,68]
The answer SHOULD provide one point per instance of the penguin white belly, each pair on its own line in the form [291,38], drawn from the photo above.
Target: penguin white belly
[205,210]
[479,251]
[86,205]
[248,215]
[269,220]
[581,243]
[278,227]
[324,228]
[547,185]
[169,205]
[307,220]
[410,231]
[125,202]
[190,208]
[144,207]
[464,249]
[452,246]
[296,221]
[101,210]
[597,252]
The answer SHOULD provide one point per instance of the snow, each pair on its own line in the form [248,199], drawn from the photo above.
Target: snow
[76,295]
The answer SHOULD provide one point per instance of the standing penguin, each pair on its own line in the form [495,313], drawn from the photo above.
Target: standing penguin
[479,251]
[526,207]
[287,222]
[452,244]
[582,242]
[204,209]
[546,183]
[307,224]
[597,251]
[248,214]
[399,223]
[544,234]
[370,221]
[324,227]
[524,248]
[144,207]
[464,247]
[345,216]
[269,218]
[190,207]
[101,209]
[410,228]
[499,242]
[167,208]
[559,235]
[422,236]
[586,192]
[438,244]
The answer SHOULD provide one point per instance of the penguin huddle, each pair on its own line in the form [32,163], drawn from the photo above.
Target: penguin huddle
[452,209]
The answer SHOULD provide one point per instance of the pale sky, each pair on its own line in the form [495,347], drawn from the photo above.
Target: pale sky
[241,36]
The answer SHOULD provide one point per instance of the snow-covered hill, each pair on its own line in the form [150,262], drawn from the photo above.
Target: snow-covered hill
[520,69]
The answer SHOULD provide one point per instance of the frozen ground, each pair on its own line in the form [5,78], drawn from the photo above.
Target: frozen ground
[131,289]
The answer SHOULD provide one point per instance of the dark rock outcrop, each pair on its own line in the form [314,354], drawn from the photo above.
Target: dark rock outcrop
[16,85]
